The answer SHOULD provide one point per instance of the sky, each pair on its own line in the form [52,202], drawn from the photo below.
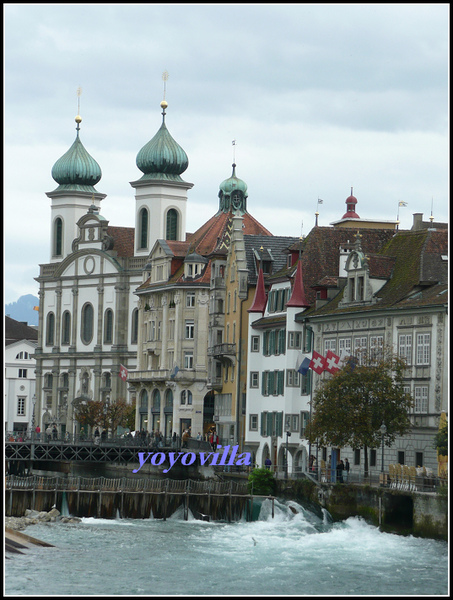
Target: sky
[319,99]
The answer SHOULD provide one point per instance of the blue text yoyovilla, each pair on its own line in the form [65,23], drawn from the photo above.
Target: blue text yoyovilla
[188,458]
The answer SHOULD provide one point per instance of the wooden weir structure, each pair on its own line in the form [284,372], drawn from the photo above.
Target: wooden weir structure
[131,498]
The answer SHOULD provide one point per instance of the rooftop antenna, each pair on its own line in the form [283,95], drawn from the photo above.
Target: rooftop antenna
[431,218]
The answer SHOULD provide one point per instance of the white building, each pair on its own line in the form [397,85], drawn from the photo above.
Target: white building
[88,312]
[20,346]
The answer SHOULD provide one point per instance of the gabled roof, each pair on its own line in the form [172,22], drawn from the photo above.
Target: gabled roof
[417,274]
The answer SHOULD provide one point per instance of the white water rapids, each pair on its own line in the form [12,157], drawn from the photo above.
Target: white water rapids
[294,553]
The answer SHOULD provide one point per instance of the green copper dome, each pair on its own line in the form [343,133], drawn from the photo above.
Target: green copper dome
[162,157]
[76,170]
[233,194]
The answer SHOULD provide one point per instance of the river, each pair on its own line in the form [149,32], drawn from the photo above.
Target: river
[295,553]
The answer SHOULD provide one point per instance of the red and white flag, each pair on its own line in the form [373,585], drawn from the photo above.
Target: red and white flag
[317,363]
[332,362]
[123,373]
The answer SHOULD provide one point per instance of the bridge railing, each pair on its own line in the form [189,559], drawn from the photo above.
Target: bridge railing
[36,482]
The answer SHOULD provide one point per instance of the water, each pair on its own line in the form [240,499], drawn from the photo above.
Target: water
[296,553]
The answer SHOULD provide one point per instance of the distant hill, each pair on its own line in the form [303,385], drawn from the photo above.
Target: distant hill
[22,310]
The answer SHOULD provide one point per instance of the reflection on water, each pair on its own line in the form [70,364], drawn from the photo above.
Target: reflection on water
[296,552]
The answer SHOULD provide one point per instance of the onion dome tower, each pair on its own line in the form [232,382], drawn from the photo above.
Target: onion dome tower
[76,173]
[350,213]
[161,193]
[233,194]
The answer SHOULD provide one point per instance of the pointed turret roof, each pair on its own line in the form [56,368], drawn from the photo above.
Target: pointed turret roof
[260,299]
[298,298]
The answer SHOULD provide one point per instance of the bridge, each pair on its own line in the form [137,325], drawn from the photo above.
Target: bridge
[117,451]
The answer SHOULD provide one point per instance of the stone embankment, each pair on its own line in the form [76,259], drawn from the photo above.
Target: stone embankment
[33,517]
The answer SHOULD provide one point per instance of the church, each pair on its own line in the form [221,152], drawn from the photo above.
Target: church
[88,312]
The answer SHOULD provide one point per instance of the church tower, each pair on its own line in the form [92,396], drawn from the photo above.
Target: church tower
[76,173]
[161,193]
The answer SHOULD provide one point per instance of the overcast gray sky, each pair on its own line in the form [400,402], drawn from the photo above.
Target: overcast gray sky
[318,97]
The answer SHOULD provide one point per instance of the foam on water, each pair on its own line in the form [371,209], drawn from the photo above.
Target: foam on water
[296,552]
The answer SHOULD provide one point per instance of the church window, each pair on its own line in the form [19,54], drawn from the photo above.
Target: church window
[108,326]
[172,225]
[50,329]
[85,383]
[58,237]
[143,228]
[144,399]
[66,328]
[86,332]
[134,328]
[156,400]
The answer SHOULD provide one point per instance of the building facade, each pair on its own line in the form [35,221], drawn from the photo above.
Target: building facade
[88,325]
[20,345]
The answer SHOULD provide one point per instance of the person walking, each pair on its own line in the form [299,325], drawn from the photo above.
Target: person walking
[346,470]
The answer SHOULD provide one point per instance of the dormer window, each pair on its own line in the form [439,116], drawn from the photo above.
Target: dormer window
[194,265]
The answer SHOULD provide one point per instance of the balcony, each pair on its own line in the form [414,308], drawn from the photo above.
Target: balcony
[221,351]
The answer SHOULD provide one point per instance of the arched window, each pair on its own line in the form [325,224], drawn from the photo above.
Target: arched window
[169,399]
[156,401]
[86,332]
[108,326]
[183,397]
[66,328]
[134,326]
[58,237]
[143,228]
[144,400]
[50,329]
[172,225]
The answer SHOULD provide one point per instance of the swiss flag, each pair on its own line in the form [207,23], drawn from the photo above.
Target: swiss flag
[123,373]
[332,362]
[318,363]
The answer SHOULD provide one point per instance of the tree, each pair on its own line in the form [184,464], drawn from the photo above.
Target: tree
[261,482]
[350,407]
[120,413]
[89,413]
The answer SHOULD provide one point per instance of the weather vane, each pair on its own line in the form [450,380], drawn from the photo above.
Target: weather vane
[165,77]
[233,143]
[79,93]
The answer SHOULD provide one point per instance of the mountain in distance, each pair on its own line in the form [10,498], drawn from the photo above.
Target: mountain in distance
[22,310]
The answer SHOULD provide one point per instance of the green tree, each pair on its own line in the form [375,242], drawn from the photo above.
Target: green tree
[89,413]
[120,413]
[261,482]
[350,406]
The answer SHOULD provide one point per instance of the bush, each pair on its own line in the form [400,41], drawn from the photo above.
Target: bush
[261,482]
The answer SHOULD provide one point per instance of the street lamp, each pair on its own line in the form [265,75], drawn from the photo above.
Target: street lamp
[383,429]
[288,434]
[33,417]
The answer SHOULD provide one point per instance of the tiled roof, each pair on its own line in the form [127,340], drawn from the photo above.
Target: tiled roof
[123,240]
[273,246]
[16,331]
[321,257]
[415,258]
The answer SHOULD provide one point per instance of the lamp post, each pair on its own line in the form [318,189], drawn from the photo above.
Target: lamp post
[33,417]
[287,429]
[383,429]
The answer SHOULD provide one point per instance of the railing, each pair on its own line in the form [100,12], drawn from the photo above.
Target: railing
[124,484]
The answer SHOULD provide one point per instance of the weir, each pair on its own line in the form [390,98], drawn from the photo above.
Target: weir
[131,498]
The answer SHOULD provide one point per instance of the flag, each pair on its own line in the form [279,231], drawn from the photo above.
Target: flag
[320,201]
[317,363]
[401,203]
[123,373]
[332,362]
[36,308]
[174,372]
[303,363]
